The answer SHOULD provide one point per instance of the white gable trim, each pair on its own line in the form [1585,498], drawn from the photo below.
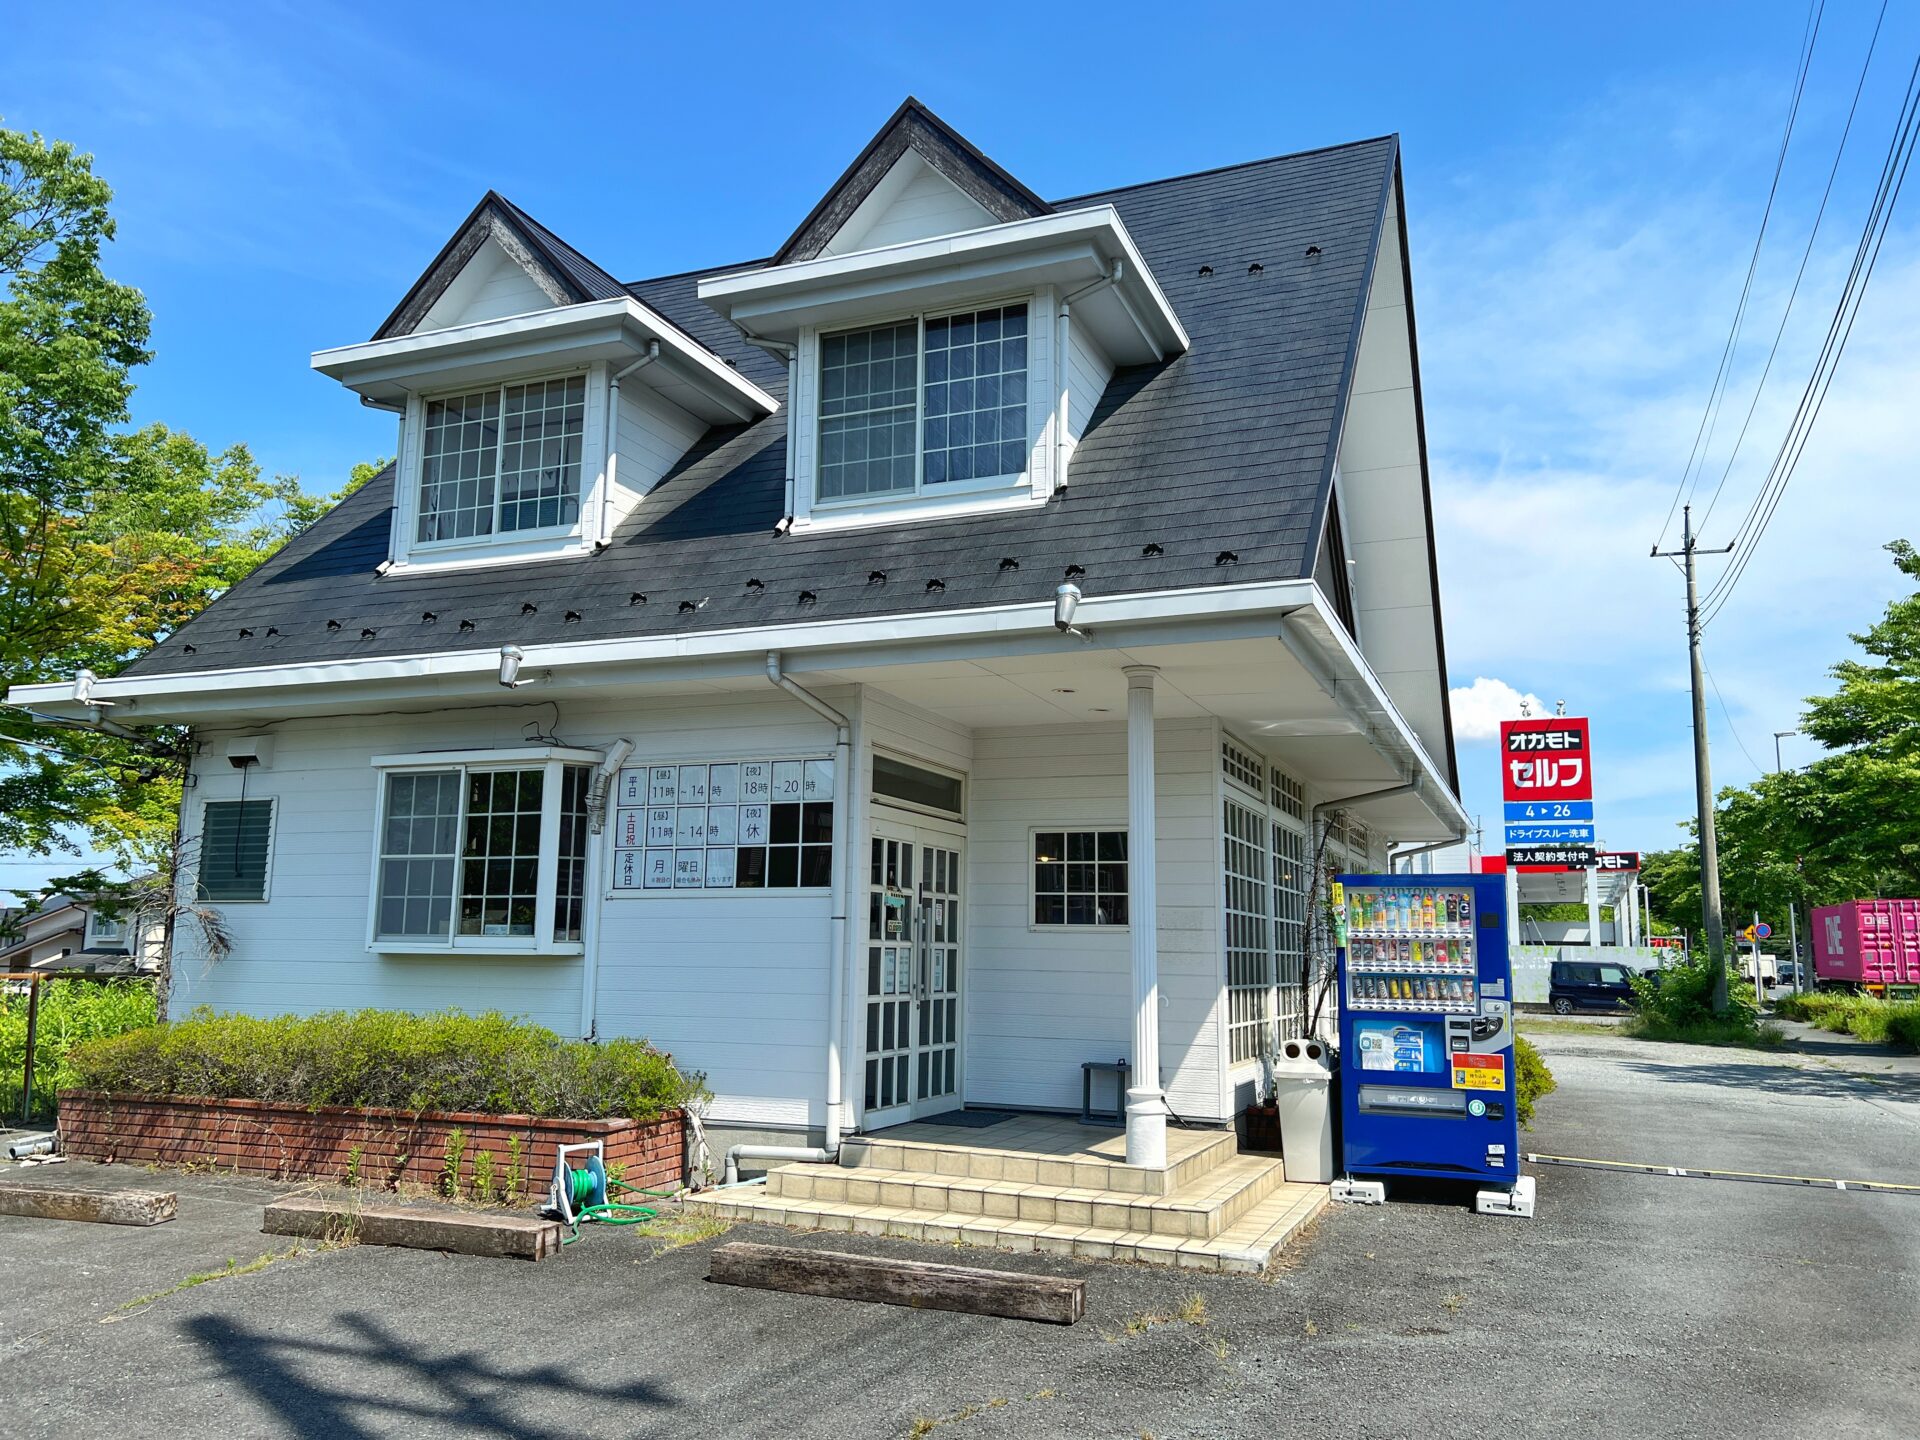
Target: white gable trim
[913,201]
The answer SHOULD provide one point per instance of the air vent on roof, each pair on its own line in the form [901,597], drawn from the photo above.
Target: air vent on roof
[687,607]
[1313,252]
[636,598]
[1226,557]
[466,627]
[189,650]
[572,617]
[876,577]
[1205,271]
[333,624]
[807,597]
[368,633]
[529,609]
[272,630]
[1148,552]
[428,617]
[754,587]
[936,587]
[245,634]
[1076,572]
[1256,268]
[1009,564]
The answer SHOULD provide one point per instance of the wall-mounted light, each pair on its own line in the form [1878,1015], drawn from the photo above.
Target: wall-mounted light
[510,658]
[1065,601]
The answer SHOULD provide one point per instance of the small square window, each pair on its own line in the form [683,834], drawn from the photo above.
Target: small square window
[1080,877]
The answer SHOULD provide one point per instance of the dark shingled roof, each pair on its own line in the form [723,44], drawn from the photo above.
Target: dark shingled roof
[1227,447]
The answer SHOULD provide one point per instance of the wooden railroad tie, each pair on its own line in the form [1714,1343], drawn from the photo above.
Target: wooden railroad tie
[917,1284]
[38,1201]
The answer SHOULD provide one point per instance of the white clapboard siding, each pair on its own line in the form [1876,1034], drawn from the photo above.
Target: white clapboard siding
[1039,1002]
[490,285]
[912,202]
[652,434]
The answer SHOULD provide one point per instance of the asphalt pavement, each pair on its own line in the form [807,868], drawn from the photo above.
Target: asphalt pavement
[1633,1305]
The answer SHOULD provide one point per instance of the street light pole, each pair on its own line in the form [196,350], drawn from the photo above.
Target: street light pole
[1778,736]
[1703,770]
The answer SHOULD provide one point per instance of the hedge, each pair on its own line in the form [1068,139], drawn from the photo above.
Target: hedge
[1531,1080]
[1866,1016]
[489,1064]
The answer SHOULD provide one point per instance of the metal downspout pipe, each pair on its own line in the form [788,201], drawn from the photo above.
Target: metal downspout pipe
[604,775]
[843,869]
[603,534]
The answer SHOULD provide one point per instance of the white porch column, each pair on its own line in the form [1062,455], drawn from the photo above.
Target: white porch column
[1593,907]
[1633,913]
[1146,1107]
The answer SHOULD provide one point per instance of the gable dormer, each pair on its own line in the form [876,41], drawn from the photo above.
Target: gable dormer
[948,332]
[539,400]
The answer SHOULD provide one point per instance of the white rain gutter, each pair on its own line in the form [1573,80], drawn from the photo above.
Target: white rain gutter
[603,534]
[1063,335]
[843,870]
[603,777]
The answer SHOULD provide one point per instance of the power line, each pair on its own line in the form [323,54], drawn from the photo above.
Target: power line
[1839,331]
[1806,254]
[1809,33]
[1727,715]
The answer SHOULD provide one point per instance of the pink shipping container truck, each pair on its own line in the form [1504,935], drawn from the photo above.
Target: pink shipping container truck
[1870,942]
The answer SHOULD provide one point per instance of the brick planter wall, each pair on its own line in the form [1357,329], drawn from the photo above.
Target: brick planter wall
[289,1142]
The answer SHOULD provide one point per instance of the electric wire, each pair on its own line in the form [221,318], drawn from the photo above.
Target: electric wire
[1808,34]
[1727,715]
[1805,255]
[1766,501]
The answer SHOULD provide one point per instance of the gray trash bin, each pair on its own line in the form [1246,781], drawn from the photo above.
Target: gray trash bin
[1302,1090]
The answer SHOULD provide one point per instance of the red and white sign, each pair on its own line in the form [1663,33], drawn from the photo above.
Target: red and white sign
[1667,942]
[1546,759]
[1616,861]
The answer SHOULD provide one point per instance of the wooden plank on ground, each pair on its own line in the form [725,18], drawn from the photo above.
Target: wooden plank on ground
[463,1232]
[920,1285]
[104,1207]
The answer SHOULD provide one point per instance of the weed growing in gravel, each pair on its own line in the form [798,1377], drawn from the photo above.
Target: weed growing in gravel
[204,1277]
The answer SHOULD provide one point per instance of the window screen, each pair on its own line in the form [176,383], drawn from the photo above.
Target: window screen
[235,838]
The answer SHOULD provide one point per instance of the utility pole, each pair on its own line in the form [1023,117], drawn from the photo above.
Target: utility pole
[1702,768]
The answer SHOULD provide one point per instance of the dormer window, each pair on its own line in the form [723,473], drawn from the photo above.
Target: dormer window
[924,406]
[500,460]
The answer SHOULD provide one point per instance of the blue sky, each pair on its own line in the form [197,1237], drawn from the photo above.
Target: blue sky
[1583,189]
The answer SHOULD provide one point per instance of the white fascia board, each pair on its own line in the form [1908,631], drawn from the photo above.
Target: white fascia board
[1096,233]
[376,366]
[429,759]
[1197,614]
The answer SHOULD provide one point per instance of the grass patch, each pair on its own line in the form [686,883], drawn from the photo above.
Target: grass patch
[1729,1029]
[1676,1006]
[675,1230]
[1555,1025]
[1866,1017]
[205,1277]
[390,1059]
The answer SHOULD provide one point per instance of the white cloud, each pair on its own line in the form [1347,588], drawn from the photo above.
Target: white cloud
[1479,708]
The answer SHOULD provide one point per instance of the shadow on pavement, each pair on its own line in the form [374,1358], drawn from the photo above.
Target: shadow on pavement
[1780,1079]
[375,1381]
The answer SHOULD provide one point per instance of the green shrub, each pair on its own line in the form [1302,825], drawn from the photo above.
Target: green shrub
[1866,1016]
[1676,1004]
[487,1063]
[71,1013]
[1531,1079]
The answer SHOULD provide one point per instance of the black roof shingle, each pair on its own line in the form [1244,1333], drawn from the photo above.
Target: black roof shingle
[1227,447]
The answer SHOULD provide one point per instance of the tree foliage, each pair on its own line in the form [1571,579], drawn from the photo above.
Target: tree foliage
[109,539]
[1842,828]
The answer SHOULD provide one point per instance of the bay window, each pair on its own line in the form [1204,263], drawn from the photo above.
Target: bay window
[489,854]
[501,460]
[916,406]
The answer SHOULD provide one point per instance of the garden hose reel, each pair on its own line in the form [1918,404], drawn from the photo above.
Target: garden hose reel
[577,1189]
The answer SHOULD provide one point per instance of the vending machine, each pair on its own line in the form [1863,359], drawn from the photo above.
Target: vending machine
[1426,1036]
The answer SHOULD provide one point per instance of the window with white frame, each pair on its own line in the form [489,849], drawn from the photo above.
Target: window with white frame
[502,460]
[919,405]
[236,841]
[486,855]
[105,932]
[1249,940]
[1079,877]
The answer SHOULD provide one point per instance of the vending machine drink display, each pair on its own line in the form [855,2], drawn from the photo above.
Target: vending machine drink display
[1426,1032]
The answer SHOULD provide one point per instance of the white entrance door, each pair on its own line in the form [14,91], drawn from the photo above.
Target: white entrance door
[913,973]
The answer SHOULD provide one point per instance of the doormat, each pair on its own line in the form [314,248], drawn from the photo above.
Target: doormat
[966,1119]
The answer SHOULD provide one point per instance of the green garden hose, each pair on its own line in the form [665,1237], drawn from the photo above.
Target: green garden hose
[582,1185]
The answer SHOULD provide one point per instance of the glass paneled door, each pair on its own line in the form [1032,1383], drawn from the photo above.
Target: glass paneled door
[912,1064]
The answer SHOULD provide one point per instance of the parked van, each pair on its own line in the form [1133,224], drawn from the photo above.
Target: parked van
[1588,985]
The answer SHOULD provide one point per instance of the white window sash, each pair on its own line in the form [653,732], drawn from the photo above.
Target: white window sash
[495,535]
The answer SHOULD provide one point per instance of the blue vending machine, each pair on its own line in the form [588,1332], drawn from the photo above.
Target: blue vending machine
[1426,1036]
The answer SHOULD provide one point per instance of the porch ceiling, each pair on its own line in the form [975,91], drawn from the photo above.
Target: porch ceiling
[1256,685]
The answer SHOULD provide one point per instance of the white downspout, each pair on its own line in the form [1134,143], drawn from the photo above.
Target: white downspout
[843,869]
[1063,336]
[790,354]
[590,900]
[603,532]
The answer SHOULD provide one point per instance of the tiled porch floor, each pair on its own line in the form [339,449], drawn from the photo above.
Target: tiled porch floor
[1043,1183]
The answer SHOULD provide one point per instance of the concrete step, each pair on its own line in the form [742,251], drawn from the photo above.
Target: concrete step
[1245,1247]
[1098,1165]
[1200,1209]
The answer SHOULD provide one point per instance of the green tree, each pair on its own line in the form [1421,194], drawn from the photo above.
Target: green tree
[109,540]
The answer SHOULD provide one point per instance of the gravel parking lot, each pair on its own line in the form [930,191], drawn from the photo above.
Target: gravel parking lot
[1634,1305]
